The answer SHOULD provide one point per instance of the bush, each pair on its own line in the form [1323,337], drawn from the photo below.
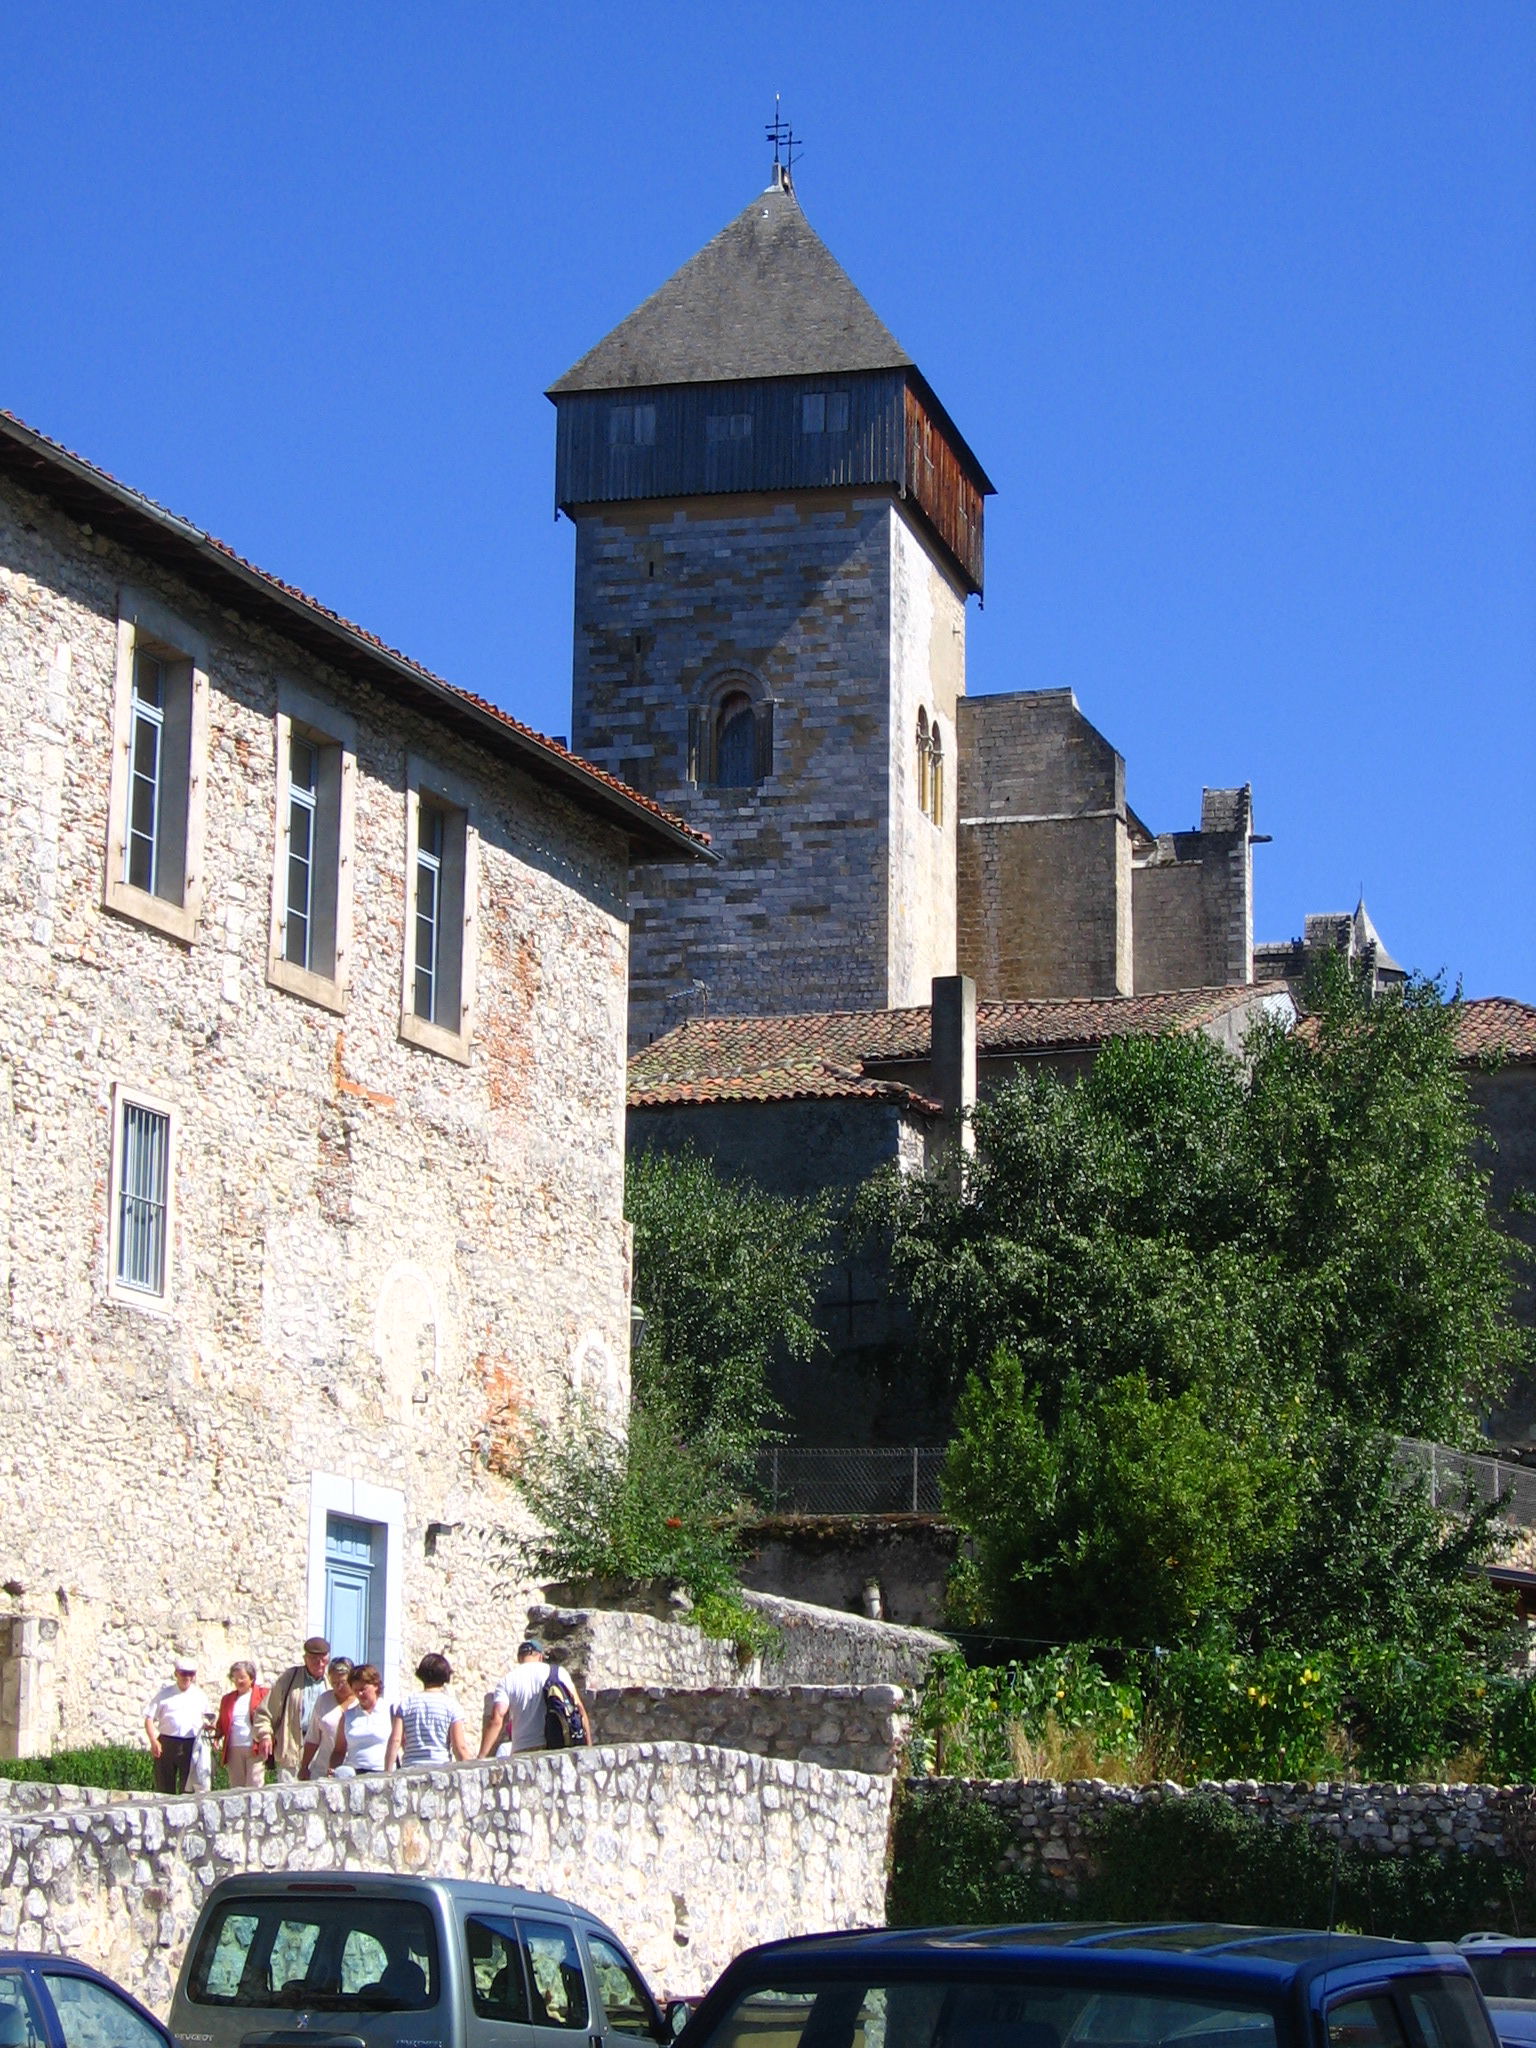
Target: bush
[1408,1714]
[111,1767]
[1270,1716]
[1193,1859]
[948,1867]
[648,1507]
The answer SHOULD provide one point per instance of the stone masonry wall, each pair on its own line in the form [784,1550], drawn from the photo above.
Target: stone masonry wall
[606,1648]
[1044,858]
[794,593]
[387,1267]
[691,1854]
[1050,1823]
[844,1727]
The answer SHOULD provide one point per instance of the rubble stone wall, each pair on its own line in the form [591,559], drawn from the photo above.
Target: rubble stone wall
[844,1727]
[692,1854]
[1051,1822]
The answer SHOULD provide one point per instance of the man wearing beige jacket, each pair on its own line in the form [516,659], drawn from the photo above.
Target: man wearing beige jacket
[280,1721]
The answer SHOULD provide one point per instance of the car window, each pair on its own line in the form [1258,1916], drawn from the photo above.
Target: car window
[1510,1975]
[93,2015]
[19,2024]
[557,1988]
[497,1988]
[626,2003]
[337,1954]
[1365,2023]
[947,2014]
[1446,2012]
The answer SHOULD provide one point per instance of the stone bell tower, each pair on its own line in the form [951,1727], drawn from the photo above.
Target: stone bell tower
[778,527]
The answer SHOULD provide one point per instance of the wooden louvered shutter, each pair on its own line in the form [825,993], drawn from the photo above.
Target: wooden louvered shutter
[696,747]
[765,739]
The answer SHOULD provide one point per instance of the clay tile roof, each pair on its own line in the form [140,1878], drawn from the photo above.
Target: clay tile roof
[1496,1027]
[783,1058]
[212,566]
[765,298]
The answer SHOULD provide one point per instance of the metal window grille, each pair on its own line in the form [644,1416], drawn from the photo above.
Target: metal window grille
[146,750]
[298,924]
[429,910]
[144,1165]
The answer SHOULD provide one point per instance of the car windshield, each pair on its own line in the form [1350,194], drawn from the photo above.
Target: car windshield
[939,2014]
[1510,1975]
[334,1954]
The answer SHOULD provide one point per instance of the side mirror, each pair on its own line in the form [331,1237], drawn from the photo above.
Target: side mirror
[679,2012]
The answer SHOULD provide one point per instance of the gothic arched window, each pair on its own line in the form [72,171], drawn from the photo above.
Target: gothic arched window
[736,743]
[923,762]
[935,774]
[730,741]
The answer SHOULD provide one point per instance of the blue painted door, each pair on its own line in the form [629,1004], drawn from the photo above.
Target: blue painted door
[354,1589]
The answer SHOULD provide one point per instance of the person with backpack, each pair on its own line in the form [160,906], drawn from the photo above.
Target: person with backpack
[536,1706]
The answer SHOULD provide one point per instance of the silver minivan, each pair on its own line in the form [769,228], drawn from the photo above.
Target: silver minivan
[354,1960]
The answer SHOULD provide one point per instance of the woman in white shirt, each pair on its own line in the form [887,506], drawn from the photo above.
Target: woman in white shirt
[320,1735]
[233,1727]
[362,1741]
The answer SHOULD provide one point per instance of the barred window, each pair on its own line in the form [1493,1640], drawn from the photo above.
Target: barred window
[143,1197]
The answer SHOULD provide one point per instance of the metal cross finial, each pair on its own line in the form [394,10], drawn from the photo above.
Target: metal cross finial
[787,146]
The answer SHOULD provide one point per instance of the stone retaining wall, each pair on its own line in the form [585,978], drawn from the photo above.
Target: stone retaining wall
[1051,1823]
[612,1647]
[691,1853]
[843,1727]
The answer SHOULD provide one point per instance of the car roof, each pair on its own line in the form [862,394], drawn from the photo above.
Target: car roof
[1187,1952]
[285,1883]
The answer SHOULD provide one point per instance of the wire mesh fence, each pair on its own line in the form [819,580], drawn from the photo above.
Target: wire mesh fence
[902,1481]
[1452,1472]
[905,1480]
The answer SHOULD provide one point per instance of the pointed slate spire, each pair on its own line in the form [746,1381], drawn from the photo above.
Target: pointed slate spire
[765,298]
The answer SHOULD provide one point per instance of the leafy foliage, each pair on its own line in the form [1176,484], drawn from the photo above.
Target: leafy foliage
[114,1767]
[725,1274]
[1193,1859]
[648,1508]
[1208,1710]
[1186,1306]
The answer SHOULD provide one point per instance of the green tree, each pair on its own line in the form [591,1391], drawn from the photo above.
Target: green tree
[725,1275]
[1190,1302]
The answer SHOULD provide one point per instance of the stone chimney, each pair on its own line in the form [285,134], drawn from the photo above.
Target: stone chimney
[952,1058]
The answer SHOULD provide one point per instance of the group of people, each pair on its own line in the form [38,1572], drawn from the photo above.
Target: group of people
[328,1717]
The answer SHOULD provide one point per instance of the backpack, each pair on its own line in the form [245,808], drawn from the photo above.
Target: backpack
[563,1725]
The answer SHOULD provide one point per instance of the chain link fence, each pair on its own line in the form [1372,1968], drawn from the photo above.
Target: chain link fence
[851,1482]
[1450,1472]
[905,1481]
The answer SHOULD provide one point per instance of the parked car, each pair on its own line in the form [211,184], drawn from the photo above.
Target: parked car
[1505,1968]
[365,1961]
[49,2002]
[1094,1987]
[1503,1964]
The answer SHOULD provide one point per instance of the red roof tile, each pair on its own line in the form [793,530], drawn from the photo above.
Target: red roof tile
[1496,1027]
[776,1059]
[48,466]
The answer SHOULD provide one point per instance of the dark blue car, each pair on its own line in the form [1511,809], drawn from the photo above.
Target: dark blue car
[1094,1987]
[47,2002]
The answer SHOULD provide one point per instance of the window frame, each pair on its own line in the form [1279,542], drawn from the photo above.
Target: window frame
[123,1097]
[144,625]
[333,733]
[436,788]
[706,722]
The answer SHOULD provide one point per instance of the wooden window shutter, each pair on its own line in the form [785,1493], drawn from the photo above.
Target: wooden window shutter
[695,746]
[765,739]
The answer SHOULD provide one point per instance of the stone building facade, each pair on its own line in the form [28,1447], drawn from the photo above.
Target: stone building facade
[311,1111]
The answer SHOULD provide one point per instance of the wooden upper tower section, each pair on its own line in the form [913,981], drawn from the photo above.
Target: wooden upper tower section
[760,366]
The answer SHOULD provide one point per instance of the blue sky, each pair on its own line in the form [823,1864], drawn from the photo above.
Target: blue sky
[1237,304]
